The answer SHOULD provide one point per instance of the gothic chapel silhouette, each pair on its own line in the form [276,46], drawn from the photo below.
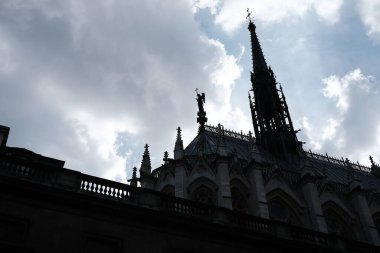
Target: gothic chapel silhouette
[225,192]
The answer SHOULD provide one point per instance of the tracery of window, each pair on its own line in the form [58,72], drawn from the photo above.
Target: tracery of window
[281,211]
[336,225]
[239,201]
[204,195]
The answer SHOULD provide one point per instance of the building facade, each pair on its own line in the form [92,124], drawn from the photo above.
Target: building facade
[225,192]
[270,175]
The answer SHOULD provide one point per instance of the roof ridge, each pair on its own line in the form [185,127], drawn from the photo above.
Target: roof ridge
[228,132]
[341,161]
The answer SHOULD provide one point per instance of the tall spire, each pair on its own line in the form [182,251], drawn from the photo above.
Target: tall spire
[270,115]
[258,59]
[145,163]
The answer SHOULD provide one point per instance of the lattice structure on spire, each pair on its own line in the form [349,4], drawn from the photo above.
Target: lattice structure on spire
[270,114]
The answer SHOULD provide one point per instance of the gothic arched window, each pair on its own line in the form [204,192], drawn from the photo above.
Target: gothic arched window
[239,201]
[336,224]
[204,195]
[281,211]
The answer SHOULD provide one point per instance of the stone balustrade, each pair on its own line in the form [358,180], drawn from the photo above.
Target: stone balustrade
[129,195]
[25,169]
[105,187]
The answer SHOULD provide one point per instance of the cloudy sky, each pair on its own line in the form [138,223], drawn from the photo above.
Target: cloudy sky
[90,82]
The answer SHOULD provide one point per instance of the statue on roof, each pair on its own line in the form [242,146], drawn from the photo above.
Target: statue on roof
[202,119]
[201,99]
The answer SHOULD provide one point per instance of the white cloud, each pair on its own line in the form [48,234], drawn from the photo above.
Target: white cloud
[202,4]
[91,84]
[339,89]
[329,131]
[94,83]
[328,10]
[231,14]
[224,70]
[97,136]
[318,137]
[370,14]
[351,128]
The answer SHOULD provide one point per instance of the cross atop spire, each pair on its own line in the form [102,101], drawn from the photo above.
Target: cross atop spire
[249,13]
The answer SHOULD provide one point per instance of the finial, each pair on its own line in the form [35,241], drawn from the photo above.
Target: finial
[145,163]
[133,181]
[221,147]
[179,137]
[178,141]
[178,147]
[373,163]
[371,160]
[166,157]
[134,173]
